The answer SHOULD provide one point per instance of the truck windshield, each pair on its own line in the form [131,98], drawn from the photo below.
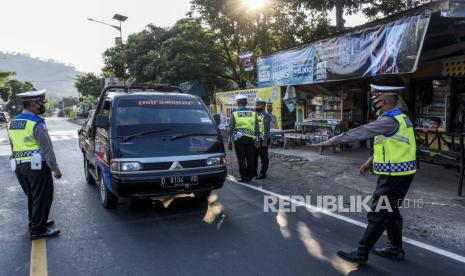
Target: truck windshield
[131,116]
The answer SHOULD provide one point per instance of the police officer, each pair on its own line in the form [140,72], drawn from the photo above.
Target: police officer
[264,122]
[244,132]
[394,161]
[34,162]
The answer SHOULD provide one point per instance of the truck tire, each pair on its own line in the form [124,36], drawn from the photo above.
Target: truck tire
[89,178]
[108,199]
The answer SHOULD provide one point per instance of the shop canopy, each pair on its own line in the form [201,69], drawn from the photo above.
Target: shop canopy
[391,46]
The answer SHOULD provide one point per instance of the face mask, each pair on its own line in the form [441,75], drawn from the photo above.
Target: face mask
[375,108]
[40,108]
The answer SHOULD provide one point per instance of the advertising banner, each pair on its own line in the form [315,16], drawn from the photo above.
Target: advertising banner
[393,48]
[226,103]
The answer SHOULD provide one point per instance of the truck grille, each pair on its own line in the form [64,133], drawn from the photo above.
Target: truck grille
[160,166]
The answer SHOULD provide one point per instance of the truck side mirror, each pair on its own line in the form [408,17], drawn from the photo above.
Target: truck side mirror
[102,122]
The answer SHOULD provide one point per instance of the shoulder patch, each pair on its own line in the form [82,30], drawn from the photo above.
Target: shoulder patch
[18,124]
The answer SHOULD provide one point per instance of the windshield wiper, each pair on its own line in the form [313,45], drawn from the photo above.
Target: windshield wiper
[127,138]
[191,134]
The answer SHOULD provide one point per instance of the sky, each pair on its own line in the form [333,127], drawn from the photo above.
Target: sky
[59,29]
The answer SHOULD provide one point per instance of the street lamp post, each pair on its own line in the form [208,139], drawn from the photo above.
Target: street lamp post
[120,18]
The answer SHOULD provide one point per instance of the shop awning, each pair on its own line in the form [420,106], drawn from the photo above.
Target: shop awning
[390,46]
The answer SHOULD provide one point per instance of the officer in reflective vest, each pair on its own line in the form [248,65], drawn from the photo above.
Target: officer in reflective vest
[33,162]
[244,128]
[264,122]
[394,161]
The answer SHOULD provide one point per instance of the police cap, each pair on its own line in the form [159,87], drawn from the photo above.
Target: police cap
[32,95]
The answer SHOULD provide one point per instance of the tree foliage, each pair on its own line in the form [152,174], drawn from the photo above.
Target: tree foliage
[237,29]
[370,8]
[5,90]
[90,85]
[17,87]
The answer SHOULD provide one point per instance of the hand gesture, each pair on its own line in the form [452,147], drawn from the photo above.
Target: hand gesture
[366,168]
[57,174]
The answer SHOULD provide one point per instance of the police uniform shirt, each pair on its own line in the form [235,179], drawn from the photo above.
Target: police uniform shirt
[45,144]
[266,126]
[383,125]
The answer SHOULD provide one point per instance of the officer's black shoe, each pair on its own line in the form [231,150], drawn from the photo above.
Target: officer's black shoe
[47,233]
[245,180]
[261,176]
[49,223]
[391,252]
[356,256]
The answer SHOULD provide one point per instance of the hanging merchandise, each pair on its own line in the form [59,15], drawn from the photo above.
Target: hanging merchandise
[291,98]
[246,61]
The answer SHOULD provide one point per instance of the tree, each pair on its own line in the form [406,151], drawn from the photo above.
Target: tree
[90,84]
[190,54]
[5,91]
[370,8]
[237,29]
[17,87]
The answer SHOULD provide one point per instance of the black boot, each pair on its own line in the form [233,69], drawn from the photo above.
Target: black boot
[261,176]
[394,249]
[360,255]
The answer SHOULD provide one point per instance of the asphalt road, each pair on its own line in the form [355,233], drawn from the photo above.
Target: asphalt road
[228,235]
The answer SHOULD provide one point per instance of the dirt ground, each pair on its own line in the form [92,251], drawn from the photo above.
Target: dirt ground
[439,216]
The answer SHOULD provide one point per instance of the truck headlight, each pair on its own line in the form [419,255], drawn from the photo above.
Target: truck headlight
[126,166]
[214,161]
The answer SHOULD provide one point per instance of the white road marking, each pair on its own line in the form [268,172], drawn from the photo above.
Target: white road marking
[352,221]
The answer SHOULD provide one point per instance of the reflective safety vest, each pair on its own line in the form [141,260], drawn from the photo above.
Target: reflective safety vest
[245,122]
[21,134]
[395,153]
[261,124]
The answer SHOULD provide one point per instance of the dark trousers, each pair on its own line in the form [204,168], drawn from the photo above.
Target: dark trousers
[38,187]
[262,153]
[245,152]
[394,189]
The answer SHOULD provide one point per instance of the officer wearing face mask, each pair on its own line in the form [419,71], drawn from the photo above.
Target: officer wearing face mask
[34,162]
[394,161]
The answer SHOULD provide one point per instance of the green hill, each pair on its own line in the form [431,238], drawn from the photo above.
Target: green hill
[57,78]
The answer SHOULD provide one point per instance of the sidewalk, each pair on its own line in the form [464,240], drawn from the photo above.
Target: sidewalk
[303,171]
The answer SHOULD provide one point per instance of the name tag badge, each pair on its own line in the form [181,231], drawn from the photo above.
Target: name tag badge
[13,164]
[36,161]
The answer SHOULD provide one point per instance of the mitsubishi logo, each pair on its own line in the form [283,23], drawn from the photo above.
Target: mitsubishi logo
[176,166]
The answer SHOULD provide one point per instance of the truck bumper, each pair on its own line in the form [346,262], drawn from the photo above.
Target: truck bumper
[149,185]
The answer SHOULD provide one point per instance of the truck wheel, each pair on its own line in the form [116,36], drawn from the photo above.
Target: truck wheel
[108,199]
[201,196]
[89,178]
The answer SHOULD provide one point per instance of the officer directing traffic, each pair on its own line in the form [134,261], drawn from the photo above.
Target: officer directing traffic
[243,131]
[33,162]
[264,121]
[394,160]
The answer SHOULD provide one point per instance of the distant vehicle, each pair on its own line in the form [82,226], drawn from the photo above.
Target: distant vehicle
[4,117]
[144,141]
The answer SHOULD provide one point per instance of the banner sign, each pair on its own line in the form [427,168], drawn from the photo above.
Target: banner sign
[246,61]
[393,48]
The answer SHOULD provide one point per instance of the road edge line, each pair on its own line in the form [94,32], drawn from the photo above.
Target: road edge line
[39,258]
[425,246]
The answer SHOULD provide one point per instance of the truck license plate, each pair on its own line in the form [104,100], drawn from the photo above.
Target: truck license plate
[175,181]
